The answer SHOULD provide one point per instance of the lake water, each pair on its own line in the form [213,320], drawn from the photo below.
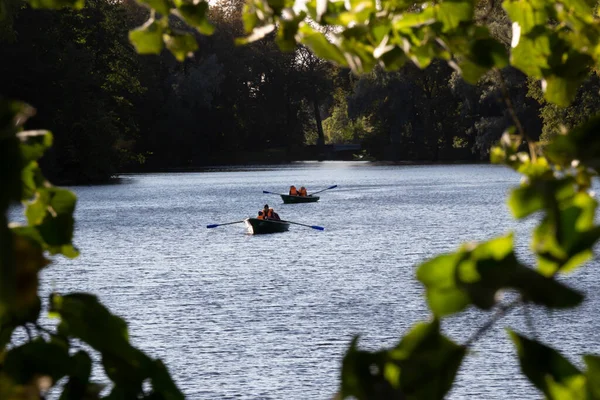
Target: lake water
[270,316]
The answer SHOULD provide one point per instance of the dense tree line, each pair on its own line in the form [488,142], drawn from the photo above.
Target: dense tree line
[113,110]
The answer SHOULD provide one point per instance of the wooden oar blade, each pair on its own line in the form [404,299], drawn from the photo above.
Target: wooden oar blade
[212,226]
[319,228]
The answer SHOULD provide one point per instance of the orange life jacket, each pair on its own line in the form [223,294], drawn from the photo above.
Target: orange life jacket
[270,213]
[260,216]
[303,191]
[293,191]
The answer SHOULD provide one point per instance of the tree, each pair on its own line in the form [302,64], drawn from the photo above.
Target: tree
[89,103]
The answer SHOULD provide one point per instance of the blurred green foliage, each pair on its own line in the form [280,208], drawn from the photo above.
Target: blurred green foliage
[556,42]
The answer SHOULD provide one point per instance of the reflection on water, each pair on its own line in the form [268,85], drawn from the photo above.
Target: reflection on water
[270,316]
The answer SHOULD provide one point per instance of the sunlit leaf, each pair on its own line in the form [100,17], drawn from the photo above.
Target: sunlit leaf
[57,4]
[527,13]
[452,12]
[475,274]
[581,143]
[443,295]
[257,34]
[148,38]
[34,144]
[196,14]
[422,366]
[162,6]
[319,44]
[181,45]
[538,195]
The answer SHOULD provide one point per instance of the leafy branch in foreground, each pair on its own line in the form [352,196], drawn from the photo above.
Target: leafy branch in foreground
[29,369]
[556,42]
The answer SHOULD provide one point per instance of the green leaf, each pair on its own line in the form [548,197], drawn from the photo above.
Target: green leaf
[34,144]
[438,276]
[57,4]
[257,34]
[37,358]
[12,116]
[548,370]
[475,274]
[452,12]
[540,194]
[79,375]
[471,72]
[29,259]
[531,53]
[181,45]
[196,14]
[319,44]
[393,59]
[593,376]
[286,33]
[560,91]
[581,143]
[161,6]
[407,21]
[564,241]
[7,327]
[148,38]
[83,317]
[422,366]
[489,53]
[527,13]
[51,214]
[163,383]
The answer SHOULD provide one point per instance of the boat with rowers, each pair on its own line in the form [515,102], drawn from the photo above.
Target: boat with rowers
[289,199]
[261,226]
[298,198]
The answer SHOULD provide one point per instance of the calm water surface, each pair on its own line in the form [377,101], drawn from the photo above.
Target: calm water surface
[269,317]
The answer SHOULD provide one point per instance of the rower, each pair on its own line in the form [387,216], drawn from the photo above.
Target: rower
[260,215]
[293,191]
[273,215]
[303,191]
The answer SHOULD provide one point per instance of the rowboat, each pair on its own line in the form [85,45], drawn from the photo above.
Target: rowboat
[288,199]
[259,226]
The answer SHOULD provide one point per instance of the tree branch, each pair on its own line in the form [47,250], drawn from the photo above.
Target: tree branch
[529,320]
[513,114]
[502,310]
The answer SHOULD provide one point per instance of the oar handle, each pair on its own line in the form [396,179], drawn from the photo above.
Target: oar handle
[267,192]
[330,187]
[228,223]
[319,228]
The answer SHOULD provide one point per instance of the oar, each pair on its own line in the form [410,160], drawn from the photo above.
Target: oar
[228,223]
[267,192]
[319,228]
[330,187]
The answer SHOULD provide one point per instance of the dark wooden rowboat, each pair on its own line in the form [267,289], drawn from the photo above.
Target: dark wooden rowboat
[287,199]
[260,226]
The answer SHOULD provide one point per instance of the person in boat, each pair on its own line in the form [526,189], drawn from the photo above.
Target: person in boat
[260,215]
[269,213]
[303,192]
[273,215]
[293,191]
